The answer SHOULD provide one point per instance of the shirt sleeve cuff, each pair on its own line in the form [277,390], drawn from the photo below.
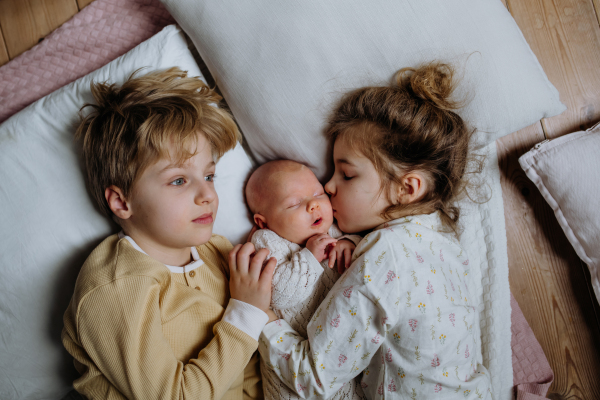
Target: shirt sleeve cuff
[247,318]
[310,257]
[353,238]
[275,328]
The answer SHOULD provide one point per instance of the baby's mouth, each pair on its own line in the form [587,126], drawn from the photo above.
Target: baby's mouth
[318,222]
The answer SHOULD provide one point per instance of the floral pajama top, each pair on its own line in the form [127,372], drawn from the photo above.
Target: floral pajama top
[402,314]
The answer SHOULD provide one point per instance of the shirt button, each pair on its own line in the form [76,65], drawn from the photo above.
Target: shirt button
[197,287]
[192,274]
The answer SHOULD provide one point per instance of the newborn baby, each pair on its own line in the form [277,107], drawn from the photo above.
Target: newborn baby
[295,218]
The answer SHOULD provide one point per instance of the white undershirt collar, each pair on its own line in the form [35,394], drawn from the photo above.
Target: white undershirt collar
[178,270]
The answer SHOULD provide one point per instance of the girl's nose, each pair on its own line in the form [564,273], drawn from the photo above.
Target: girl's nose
[330,187]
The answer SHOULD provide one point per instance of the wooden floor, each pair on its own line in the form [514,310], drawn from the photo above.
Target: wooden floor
[547,278]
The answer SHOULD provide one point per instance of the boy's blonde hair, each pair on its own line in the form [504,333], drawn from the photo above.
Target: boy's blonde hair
[410,126]
[131,127]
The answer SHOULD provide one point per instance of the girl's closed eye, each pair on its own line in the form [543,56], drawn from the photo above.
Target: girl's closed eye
[346,177]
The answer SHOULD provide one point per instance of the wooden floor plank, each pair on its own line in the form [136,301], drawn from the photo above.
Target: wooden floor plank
[3,53]
[597,8]
[565,36]
[26,22]
[83,3]
[546,277]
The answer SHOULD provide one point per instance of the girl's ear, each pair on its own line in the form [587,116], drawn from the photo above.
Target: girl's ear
[412,188]
[261,221]
[117,202]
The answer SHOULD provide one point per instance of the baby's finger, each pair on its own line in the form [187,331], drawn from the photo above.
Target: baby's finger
[326,241]
[232,257]
[347,257]
[340,264]
[332,257]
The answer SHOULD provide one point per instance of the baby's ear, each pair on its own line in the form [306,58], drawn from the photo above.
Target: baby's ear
[261,221]
[412,188]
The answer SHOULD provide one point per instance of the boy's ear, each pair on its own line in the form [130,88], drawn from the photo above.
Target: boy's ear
[117,202]
[412,188]
[261,221]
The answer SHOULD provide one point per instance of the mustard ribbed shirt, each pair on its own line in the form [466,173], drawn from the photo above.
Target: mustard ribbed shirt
[139,331]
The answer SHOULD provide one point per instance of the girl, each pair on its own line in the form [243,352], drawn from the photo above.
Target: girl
[402,313]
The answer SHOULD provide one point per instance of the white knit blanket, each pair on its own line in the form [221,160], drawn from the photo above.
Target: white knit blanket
[484,238]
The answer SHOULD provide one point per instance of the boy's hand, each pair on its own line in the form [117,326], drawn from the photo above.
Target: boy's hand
[342,253]
[247,283]
[317,245]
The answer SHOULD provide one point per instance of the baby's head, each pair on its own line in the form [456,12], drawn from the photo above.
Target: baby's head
[150,148]
[409,150]
[287,198]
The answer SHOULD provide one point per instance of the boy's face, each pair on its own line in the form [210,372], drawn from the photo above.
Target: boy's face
[298,207]
[174,206]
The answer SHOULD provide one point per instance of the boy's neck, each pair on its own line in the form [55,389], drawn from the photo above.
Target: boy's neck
[166,255]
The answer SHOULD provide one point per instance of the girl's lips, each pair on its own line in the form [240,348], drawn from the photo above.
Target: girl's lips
[204,219]
[318,222]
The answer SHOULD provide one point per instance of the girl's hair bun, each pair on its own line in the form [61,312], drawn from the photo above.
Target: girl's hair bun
[432,82]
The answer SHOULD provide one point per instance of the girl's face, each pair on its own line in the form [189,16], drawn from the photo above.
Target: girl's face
[355,190]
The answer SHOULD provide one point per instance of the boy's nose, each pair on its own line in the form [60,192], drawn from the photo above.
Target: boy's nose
[205,196]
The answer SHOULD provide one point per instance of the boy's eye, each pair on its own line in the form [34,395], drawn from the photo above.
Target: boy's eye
[178,182]
[347,178]
[210,178]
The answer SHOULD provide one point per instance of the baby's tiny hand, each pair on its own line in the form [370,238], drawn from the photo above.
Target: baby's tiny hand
[318,244]
[342,253]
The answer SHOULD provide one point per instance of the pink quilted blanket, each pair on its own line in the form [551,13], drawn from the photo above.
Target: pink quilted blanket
[101,32]
[106,29]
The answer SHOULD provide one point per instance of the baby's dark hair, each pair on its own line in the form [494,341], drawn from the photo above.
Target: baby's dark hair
[406,127]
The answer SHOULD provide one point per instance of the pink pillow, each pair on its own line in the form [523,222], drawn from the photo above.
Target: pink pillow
[101,32]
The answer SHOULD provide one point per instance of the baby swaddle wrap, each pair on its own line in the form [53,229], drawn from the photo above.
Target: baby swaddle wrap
[300,284]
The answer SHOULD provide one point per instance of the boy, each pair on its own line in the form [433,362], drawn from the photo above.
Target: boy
[296,220]
[151,316]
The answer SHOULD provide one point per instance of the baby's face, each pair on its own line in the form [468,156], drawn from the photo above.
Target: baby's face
[298,206]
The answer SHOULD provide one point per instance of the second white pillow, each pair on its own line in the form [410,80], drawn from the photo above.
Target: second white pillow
[282,65]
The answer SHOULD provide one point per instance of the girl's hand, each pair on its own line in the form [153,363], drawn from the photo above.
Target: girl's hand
[249,281]
[317,245]
[342,253]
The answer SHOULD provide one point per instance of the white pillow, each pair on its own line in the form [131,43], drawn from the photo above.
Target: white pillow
[49,224]
[566,170]
[282,65]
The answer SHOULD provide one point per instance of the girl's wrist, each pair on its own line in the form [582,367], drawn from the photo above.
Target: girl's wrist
[272,316]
